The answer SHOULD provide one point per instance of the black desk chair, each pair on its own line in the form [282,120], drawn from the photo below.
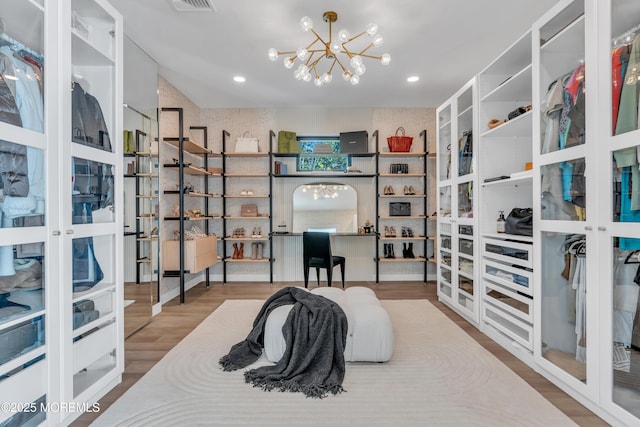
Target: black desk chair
[316,252]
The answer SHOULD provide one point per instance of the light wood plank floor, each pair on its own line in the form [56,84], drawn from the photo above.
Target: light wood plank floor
[147,346]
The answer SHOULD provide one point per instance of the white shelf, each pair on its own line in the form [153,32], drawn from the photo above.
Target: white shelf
[518,127]
[504,236]
[510,181]
[517,88]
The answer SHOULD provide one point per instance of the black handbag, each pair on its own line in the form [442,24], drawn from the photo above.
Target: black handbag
[400,209]
[520,222]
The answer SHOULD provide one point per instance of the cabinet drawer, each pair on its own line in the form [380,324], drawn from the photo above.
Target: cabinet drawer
[94,346]
[507,251]
[517,330]
[465,246]
[514,278]
[520,306]
[28,385]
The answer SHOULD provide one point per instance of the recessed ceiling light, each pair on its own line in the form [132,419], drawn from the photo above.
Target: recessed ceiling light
[413,79]
[239,79]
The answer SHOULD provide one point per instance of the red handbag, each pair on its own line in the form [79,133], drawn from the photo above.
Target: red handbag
[400,143]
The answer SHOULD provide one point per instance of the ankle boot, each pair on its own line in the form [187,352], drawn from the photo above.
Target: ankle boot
[254,250]
[241,251]
[404,251]
[391,251]
[260,249]
[410,251]
[386,250]
[235,251]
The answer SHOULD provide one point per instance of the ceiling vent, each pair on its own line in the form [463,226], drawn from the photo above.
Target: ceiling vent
[193,6]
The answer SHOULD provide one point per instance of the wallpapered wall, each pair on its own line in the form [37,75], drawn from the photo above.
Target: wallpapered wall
[304,121]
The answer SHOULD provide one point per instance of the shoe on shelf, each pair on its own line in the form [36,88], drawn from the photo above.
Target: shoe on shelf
[392,232]
[412,191]
[409,232]
[249,192]
[406,190]
[385,190]
[243,193]
[391,190]
[386,231]
[404,231]
[259,231]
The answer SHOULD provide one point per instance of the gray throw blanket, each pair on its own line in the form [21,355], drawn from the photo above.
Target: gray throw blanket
[315,333]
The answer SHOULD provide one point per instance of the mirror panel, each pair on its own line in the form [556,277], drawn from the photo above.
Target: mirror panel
[325,206]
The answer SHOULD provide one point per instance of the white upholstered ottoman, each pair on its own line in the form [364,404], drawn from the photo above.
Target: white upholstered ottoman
[369,334]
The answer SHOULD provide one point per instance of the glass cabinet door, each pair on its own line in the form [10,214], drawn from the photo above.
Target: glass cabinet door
[24,309]
[95,167]
[624,244]
[562,256]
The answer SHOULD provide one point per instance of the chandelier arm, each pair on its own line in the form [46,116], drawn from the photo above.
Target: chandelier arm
[366,49]
[332,65]
[311,57]
[355,37]
[371,56]
[344,69]
[314,63]
[286,53]
[318,36]
[318,39]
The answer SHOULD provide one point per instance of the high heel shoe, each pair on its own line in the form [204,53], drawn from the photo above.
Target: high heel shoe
[406,190]
[412,191]
[392,232]
[387,233]
[409,232]
[385,190]
[391,190]
[404,231]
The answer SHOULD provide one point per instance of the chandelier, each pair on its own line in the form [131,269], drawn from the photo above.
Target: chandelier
[324,191]
[332,51]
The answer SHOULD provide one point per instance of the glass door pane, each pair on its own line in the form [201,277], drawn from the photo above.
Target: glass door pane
[563,188]
[564,282]
[22,64]
[625,65]
[444,143]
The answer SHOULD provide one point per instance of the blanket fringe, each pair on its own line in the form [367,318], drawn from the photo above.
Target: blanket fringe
[227,365]
[318,391]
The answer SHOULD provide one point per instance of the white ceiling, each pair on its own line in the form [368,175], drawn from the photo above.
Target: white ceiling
[444,42]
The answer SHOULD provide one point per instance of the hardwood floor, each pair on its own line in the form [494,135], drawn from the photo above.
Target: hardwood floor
[147,346]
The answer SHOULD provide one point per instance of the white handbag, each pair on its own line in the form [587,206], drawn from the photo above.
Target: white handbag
[247,143]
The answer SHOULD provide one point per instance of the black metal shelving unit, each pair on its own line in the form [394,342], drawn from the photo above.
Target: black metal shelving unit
[225,217]
[184,144]
[425,259]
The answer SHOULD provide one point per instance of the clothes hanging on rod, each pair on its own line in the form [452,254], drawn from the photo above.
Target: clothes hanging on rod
[625,302]
[563,124]
[465,158]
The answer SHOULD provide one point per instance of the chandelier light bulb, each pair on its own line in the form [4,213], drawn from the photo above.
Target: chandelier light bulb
[288,62]
[302,53]
[346,76]
[327,77]
[355,79]
[372,29]
[360,69]
[307,77]
[344,35]
[335,47]
[355,61]
[377,40]
[306,24]
[318,81]
[273,54]
[385,59]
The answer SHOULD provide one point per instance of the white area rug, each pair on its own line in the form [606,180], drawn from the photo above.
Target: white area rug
[438,375]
